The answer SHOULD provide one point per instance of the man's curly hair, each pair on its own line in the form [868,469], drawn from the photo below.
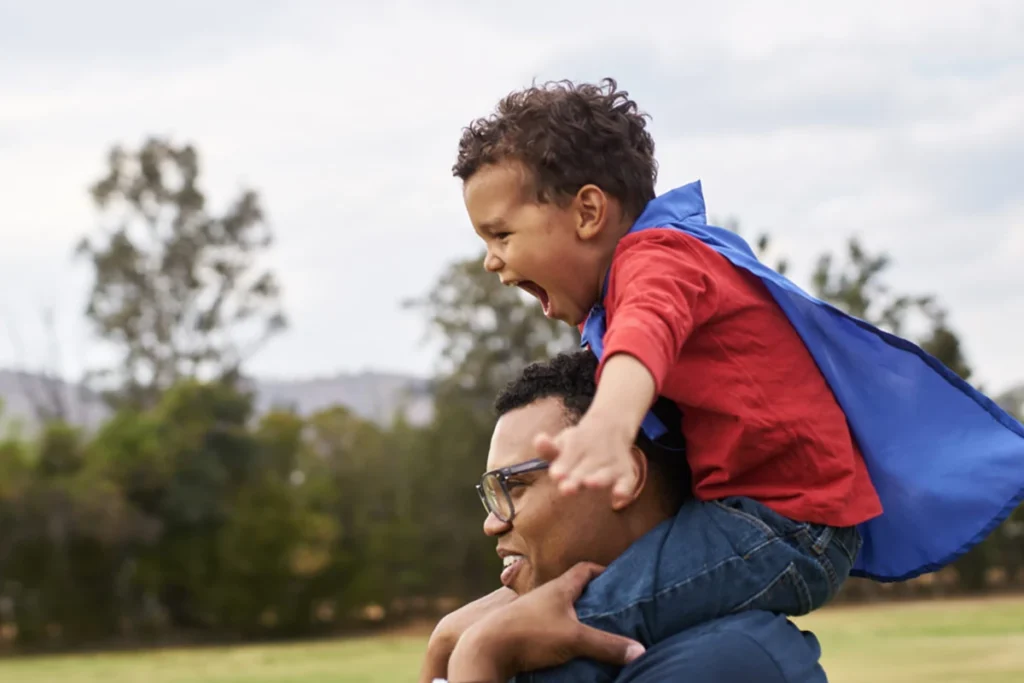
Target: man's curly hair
[567,376]
[570,377]
[568,135]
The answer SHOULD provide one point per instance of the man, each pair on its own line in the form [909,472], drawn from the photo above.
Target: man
[541,536]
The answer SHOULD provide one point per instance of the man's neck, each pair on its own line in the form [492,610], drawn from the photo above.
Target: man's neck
[646,513]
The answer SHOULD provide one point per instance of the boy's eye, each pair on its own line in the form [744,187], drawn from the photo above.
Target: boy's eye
[502,235]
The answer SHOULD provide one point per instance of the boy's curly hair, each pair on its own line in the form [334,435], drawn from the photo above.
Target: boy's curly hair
[568,135]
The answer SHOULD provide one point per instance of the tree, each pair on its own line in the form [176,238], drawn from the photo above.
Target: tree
[762,246]
[44,389]
[857,287]
[62,524]
[490,332]
[176,289]
[182,464]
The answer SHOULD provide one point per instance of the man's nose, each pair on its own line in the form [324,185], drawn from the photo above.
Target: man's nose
[492,263]
[494,526]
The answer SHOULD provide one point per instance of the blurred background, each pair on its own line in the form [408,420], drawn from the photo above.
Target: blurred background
[248,350]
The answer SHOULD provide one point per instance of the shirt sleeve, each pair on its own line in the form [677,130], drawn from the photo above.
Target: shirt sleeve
[661,287]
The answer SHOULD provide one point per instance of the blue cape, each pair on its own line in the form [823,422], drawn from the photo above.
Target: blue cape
[947,462]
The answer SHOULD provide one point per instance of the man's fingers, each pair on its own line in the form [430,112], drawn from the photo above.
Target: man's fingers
[577,577]
[606,647]
[502,596]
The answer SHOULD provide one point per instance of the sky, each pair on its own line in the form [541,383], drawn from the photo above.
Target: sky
[899,122]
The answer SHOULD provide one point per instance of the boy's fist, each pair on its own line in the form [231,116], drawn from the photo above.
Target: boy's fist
[591,454]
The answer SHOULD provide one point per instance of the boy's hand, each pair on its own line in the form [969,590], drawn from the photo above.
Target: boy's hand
[597,452]
[593,454]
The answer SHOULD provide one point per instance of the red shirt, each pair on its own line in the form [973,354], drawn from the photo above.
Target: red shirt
[759,418]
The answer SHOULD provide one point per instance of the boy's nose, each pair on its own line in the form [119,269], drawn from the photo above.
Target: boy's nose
[492,263]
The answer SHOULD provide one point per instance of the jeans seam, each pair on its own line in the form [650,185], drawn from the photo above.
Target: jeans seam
[654,597]
[824,539]
[801,534]
[850,553]
[833,576]
[814,542]
[759,523]
[791,574]
[664,591]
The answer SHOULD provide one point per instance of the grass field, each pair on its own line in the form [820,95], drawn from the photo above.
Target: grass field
[939,642]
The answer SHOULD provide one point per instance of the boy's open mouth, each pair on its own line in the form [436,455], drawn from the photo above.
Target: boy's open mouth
[536,291]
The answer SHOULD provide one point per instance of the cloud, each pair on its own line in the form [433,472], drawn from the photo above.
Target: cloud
[899,122]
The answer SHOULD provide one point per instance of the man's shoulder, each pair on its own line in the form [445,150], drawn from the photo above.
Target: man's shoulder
[749,646]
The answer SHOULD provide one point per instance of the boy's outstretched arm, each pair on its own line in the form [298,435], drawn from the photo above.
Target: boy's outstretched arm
[661,289]
[624,394]
[595,452]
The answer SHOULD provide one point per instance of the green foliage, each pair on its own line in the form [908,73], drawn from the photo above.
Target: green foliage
[60,451]
[858,287]
[489,332]
[186,513]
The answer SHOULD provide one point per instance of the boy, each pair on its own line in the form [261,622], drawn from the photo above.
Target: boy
[553,185]
[559,183]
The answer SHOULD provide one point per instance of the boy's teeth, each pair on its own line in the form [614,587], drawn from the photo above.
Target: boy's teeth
[510,560]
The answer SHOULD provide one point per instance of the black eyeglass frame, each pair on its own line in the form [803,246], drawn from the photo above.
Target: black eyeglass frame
[502,475]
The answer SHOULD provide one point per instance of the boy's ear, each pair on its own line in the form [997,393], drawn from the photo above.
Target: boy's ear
[591,206]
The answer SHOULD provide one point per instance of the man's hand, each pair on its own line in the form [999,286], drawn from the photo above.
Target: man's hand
[449,630]
[538,630]
[592,454]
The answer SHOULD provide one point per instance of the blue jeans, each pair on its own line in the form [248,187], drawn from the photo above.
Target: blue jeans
[712,559]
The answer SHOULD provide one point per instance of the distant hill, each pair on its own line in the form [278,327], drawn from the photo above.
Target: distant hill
[21,392]
[374,396]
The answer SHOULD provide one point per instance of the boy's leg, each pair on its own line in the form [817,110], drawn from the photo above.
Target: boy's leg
[712,559]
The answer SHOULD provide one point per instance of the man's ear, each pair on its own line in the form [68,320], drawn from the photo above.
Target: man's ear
[639,462]
[591,207]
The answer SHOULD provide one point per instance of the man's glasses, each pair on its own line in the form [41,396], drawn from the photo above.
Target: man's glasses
[493,488]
